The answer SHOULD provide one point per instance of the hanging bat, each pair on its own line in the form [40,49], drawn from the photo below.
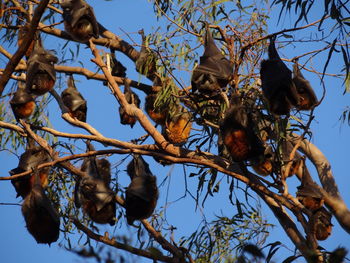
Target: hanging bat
[41,74]
[214,71]
[22,32]
[74,101]
[238,134]
[177,128]
[42,219]
[308,194]
[277,84]
[93,192]
[29,160]
[307,96]
[156,114]
[146,63]
[142,194]
[322,224]
[79,20]
[22,103]
[131,98]
[118,69]
[265,163]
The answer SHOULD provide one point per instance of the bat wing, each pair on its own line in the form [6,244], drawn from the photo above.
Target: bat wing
[143,187]
[84,10]
[95,189]
[73,99]
[218,66]
[20,97]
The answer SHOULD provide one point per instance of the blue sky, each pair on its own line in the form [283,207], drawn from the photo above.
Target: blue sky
[16,244]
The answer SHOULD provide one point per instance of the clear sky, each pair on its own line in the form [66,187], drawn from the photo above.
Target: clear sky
[332,137]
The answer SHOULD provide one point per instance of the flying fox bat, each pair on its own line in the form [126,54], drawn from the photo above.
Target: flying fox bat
[265,163]
[277,84]
[307,96]
[131,98]
[93,192]
[308,194]
[41,217]
[29,160]
[178,127]
[322,224]
[118,69]
[146,63]
[156,114]
[41,74]
[142,193]
[214,70]
[74,101]
[238,134]
[79,20]
[22,103]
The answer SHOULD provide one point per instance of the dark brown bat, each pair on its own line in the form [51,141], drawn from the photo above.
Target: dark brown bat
[322,223]
[214,70]
[142,194]
[277,84]
[22,32]
[93,192]
[79,20]
[118,69]
[74,101]
[42,219]
[264,164]
[177,128]
[238,134]
[156,114]
[29,160]
[41,74]
[22,103]
[307,96]
[146,63]
[308,194]
[131,98]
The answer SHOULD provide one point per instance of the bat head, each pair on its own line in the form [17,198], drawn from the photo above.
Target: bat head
[80,20]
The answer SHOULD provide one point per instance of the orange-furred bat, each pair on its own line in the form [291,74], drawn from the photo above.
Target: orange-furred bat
[22,103]
[42,219]
[93,192]
[214,70]
[308,194]
[79,20]
[322,224]
[265,163]
[131,98]
[29,160]
[146,63]
[142,194]
[41,74]
[277,84]
[22,32]
[238,134]
[307,96]
[74,101]
[177,128]
[156,114]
